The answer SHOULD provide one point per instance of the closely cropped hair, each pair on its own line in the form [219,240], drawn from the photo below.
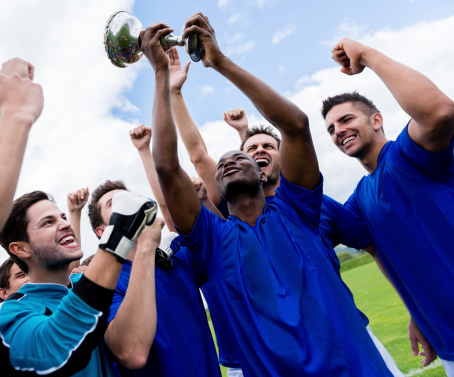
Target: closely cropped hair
[5,273]
[261,129]
[363,103]
[94,210]
[15,228]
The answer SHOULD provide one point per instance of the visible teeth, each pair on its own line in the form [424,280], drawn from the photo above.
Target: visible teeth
[262,162]
[348,139]
[66,239]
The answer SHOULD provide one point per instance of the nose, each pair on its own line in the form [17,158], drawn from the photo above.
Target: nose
[338,131]
[229,162]
[64,224]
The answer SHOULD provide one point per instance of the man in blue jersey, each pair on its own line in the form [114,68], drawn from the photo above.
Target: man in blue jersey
[289,312]
[181,343]
[46,327]
[407,199]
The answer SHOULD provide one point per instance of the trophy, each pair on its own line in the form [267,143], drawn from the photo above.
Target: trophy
[122,41]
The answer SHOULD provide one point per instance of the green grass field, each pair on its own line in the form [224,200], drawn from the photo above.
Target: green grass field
[388,317]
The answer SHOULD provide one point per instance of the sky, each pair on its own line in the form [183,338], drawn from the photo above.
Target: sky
[81,138]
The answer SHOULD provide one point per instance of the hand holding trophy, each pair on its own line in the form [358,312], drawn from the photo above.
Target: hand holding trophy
[122,41]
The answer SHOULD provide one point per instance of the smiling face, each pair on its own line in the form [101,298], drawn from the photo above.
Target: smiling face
[264,150]
[352,131]
[51,236]
[236,173]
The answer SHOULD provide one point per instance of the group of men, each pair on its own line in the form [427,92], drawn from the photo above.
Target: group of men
[255,234]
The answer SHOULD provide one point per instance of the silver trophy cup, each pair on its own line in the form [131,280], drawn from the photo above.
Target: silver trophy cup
[122,41]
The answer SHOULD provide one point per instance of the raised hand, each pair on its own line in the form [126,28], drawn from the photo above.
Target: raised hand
[199,188]
[151,45]
[347,54]
[200,25]
[141,137]
[20,66]
[177,75]
[236,119]
[76,200]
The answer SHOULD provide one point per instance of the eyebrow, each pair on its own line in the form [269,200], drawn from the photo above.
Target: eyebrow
[340,119]
[48,217]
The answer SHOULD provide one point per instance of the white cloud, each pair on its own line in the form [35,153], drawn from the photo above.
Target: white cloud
[207,90]
[240,49]
[283,33]
[262,3]
[222,4]
[239,18]
[347,29]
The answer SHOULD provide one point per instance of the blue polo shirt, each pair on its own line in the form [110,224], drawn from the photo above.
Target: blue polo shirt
[183,345]
[408,204]
[289,312]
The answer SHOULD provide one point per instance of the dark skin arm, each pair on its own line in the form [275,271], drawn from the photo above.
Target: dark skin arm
[432,112]
[177,187]
[299,162]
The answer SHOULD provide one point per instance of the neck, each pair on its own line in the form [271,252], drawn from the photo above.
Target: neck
[370,159]
[40,274]
[269,187]
[247,208]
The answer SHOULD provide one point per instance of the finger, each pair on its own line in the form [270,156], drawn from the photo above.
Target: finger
[414,346]
[186,67]
[194,29]
[226,118]
[147,34]
[82,194]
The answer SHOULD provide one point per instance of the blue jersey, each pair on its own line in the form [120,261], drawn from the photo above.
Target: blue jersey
[48,328]
[289,312]
[408,203]
[183,345]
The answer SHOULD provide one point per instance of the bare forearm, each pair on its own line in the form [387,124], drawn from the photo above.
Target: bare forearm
[176,185]
[148,164]
[104,269]
[13,140]
[416,94]
[277,109]
[131,334]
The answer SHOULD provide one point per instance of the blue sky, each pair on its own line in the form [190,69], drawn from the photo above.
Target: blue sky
[279,41]
[81,138]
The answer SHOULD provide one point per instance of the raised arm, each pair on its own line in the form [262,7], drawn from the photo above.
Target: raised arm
[237,119]
[141,138]
[21,103]
[131,333]
[192,139]
[432,112]
[76,202]
[177,188]
[299,162]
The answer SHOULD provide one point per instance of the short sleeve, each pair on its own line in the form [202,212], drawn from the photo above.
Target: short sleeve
[410,156]
[304,203]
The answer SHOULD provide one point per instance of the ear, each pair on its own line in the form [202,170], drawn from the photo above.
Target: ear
[100,230]
[20,249]
[263,177]
[3,293]
[377,121]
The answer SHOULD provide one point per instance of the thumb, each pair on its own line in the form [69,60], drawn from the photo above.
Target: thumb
[347,70]
[414,346]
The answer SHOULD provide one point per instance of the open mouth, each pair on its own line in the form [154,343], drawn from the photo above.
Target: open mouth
[262,162]
[230,171]
[67,240]
[348,140]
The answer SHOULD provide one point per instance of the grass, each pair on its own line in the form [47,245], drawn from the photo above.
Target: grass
[388,316]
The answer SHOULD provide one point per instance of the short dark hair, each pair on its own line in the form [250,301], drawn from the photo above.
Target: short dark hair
[5,273]
[15,228]
[261,129]
[94,210]
[363,103]
[87,260]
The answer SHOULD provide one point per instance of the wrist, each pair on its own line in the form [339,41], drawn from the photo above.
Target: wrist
[175,91]
[21,120]
[368,55]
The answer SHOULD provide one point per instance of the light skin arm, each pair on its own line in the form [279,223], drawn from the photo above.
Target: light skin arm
[432,112]
[177,188]
[21,103]
[192,139]
[141,138]
[298,159]
[76,201]
[414,333]
[131,333]
[237,119]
